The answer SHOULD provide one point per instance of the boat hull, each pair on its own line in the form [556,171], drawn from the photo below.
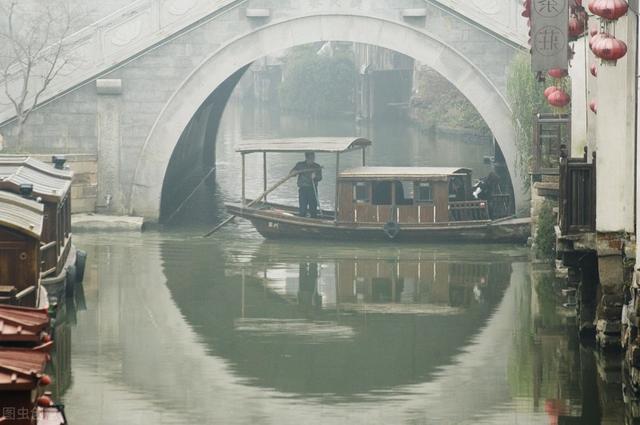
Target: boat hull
[286,225]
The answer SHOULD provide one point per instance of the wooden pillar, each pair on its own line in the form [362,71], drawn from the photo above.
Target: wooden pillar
[394,213]
[335,205]
[243,181]
[264,174]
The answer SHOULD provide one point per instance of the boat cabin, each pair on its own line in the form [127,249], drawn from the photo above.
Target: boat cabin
[407,195]
[21,224]
[51,185]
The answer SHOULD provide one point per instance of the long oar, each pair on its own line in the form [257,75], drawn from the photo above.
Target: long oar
[258,199]
[193,192]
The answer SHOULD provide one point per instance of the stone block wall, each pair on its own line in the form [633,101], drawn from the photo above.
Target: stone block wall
[543,191]
[85,180]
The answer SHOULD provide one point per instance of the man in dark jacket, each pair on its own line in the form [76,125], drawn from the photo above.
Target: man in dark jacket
[308,184]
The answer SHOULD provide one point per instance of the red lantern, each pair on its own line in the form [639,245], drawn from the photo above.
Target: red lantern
[594,39]
[609,49]
[593,69]
[557,73]
[559,99]
[44,401]
[527,9]
[576,28]
[550,90]
[44,381]
[593,105]
[609,10]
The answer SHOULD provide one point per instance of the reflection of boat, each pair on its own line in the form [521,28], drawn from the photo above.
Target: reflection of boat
[286,331]
[382,203]
[423,285]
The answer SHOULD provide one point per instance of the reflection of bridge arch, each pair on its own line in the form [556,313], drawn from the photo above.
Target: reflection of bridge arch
[222,65]
[278,341]
[151,352]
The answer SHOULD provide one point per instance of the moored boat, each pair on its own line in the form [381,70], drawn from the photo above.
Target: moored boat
[23,398]
[44,191]
[22,326]
[418,204]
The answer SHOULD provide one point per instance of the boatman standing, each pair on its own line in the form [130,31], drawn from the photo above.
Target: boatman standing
[310,173]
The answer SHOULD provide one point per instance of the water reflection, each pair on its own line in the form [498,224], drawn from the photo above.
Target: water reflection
[366,323]
[259,332]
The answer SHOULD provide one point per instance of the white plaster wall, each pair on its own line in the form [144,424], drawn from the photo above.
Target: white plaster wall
[578,73]
[637,54]
[592,93]
[616,138]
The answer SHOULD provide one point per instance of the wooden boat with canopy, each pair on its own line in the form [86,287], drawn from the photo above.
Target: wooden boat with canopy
[420,204]
[47,188]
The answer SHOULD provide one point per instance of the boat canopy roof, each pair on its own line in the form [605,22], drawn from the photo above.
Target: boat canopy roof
[21,369]
[49,183]
[304,144]
[402,173]
[24,215]
[22,324]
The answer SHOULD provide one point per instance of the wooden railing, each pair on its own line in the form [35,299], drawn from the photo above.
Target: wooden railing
[550,132]
[577,198]
[468,210]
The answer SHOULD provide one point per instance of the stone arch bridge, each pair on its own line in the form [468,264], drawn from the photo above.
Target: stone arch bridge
[142,74]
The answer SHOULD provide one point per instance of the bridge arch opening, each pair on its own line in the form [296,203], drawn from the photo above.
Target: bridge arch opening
[219,73]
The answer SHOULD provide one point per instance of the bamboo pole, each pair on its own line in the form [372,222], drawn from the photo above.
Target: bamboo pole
[264,173]
[259,198]
[335,205]
[243,180]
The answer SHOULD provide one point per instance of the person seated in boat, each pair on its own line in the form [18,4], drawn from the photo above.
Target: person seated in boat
[309,174]
[485,188]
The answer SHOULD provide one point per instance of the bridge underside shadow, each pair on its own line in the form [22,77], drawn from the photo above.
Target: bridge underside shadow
[192,164]
[209,86]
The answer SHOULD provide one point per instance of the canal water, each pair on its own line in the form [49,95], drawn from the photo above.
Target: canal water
[171,328]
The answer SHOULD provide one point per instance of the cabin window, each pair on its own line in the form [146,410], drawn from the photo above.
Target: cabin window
[382,192]
[404,193]
[361,192]
[425,193]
